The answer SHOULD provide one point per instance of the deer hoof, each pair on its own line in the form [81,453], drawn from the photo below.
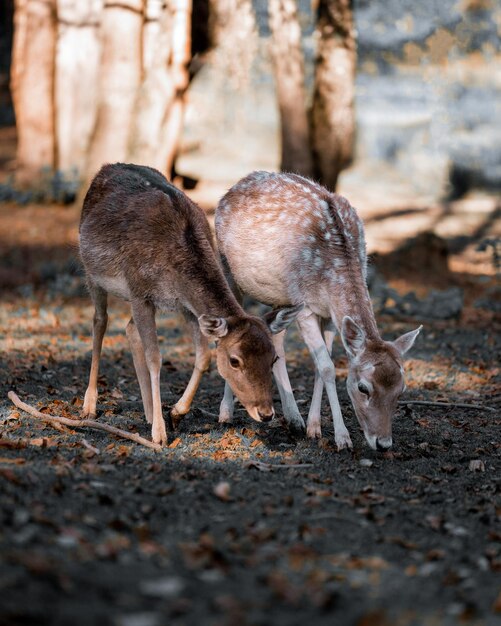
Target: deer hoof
[313,431]
[297,428]
[158,435]
[225,417]
[178,410]
[343,441]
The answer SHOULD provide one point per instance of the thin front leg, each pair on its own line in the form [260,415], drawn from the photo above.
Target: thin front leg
[291,412]
[202,362]
[313,427]
[142,373]
[227,406]
[312,335]
[100,299]
[144,317]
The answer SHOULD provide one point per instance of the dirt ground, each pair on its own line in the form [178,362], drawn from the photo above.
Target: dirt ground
[242,525]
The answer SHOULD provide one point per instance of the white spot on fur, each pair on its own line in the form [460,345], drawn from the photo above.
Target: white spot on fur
[306,254]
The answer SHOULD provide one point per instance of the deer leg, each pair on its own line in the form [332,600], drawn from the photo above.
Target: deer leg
[227,406]
[144,317]
[313,428]
[291,412]
[142,373]
[202,362]
[100,299]
[312,335]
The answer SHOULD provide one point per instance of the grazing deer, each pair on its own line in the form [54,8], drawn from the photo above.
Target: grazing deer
[145,241]
[287,240]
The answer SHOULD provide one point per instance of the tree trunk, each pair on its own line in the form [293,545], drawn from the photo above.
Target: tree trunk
[160,104]
[32,85]
[288,66]
[332,117]
[119,80]
[77,72]
[180,57]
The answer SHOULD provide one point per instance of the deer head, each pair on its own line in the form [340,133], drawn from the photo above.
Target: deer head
[375,379]
[245,355]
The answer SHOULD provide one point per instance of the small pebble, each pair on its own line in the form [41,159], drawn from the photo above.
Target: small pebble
[222,491]
[366,462]
[168,587]
[476,465]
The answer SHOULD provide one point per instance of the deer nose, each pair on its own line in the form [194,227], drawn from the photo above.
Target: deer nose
[383,443]
[266,417]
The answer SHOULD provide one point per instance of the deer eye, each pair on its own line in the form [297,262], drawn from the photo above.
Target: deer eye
[235,362]
[364,389]
[275,360]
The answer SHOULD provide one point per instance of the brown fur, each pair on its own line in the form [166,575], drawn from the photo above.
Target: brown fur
[144,240]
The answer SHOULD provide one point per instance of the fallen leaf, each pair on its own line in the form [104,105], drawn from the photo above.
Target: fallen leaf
[124,451]
[176,442]
[41,442]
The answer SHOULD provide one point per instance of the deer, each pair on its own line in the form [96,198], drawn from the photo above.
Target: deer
[143,240]
[288,241]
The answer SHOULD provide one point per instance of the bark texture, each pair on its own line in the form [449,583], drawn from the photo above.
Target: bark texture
[288,66]
[119,80]
[332,115]
[32,85]
[160,102]
[77,72]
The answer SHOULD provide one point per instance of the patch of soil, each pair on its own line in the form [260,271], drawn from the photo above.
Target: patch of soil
[238,524]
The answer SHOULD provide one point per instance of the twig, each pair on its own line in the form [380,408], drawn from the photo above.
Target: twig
[268,467]
[205,413]
[52,419]
[460,405]
[90,447]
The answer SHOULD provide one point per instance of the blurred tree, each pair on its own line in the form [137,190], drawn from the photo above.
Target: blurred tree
[76,76]
[320,143]
[288,65]
[332,114]
[32,86]
[96,82]
[118,83]
[160,103]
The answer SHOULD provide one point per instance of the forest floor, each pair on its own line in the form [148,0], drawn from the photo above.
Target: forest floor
[242,525]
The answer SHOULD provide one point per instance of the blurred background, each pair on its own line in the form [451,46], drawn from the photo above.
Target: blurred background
[395,104]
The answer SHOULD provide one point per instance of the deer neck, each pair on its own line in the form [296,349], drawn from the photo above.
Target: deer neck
[353,300]
[212,295]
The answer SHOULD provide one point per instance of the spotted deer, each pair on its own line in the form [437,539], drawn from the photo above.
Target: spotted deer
[145,241]
[288,241]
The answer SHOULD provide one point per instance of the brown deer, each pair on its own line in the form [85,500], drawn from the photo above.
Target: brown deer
[287,240]
[145,241]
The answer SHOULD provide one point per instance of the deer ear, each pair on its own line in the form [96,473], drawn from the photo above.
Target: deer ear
[405,342]
[352,335]
[278,319]
[212,326]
